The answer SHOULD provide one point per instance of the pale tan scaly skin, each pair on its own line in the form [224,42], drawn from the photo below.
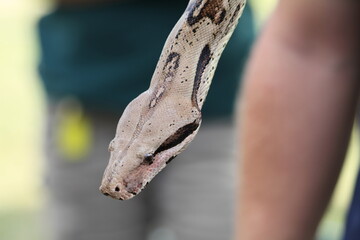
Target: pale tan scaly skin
[162,121]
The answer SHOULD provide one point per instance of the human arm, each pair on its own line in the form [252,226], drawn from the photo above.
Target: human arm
[297,111]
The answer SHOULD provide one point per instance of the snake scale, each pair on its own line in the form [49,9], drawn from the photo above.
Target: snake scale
[159,124]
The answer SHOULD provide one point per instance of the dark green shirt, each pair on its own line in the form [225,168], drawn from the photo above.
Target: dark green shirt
[105,55]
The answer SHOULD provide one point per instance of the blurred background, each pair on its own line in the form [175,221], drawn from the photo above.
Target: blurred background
[22,110]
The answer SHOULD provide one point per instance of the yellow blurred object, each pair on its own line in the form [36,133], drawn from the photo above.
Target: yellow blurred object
[74,133]
[262,10]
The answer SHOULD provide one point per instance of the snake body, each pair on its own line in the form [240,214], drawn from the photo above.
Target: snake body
[159,124]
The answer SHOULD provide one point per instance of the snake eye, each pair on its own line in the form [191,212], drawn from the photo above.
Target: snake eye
[148,159]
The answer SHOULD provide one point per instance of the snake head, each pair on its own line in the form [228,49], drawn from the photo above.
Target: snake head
[145,142]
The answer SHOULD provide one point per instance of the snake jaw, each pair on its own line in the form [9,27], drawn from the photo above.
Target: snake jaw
[123,179]
[125,184]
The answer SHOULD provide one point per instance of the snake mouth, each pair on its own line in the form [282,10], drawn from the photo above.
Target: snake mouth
[130,185]
[152,164]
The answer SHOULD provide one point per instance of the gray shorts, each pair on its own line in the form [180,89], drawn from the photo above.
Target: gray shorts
[191,199]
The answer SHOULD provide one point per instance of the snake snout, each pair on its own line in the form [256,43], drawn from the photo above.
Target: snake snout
[116,191]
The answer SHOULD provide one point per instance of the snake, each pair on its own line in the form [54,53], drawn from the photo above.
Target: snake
[161,122]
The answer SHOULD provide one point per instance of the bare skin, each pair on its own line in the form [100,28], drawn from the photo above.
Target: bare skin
[297,111]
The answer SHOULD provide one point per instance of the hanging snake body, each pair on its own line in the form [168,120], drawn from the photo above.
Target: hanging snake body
[159,124]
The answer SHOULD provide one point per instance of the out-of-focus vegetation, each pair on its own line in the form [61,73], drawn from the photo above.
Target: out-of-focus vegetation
[333,222]
[262,9]
[20,121]
[22,126]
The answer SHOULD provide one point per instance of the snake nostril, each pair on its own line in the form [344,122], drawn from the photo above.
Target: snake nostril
[106,194]
[117,189]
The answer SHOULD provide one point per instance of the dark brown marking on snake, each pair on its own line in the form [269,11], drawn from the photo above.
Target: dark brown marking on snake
[178,137]
[212,9]
[222,16]
[178,33]
[169,70]
[170,159]
[233,17]
[156,98]
[171,64]
[204,60]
